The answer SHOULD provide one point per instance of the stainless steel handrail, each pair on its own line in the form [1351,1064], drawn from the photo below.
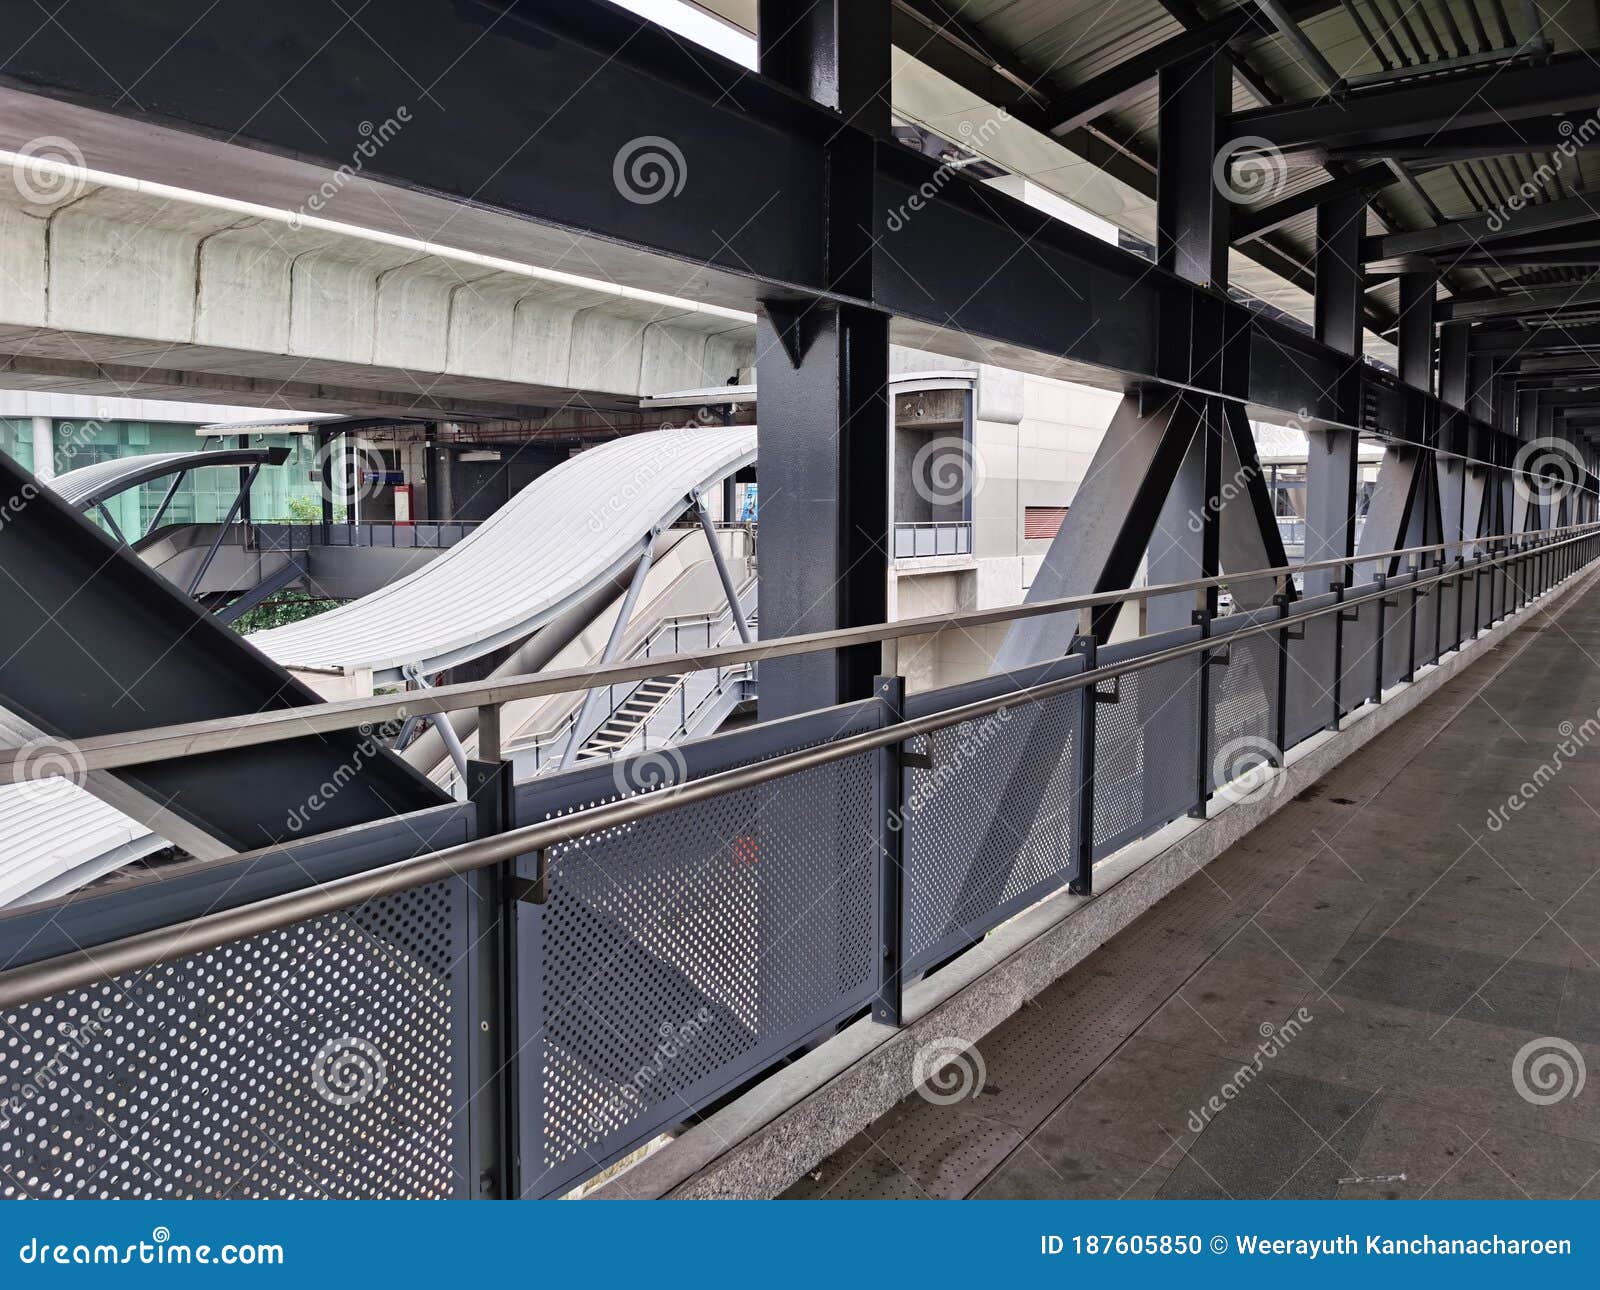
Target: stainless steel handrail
[78,968]
[190,739]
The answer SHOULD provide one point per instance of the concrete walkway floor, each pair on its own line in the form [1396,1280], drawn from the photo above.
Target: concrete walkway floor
[1378,993]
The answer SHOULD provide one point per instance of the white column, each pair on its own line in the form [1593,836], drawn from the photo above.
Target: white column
[44,448]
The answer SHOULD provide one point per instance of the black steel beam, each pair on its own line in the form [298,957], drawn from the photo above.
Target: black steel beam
[1130,79]
[97,643]
[1253,221]
[969,269]
[1523,303]
[1488,96]
[1580,208]
[1534,134]
[1537,340]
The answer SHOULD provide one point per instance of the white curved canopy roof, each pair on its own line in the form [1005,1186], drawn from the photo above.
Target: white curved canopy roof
[568,530]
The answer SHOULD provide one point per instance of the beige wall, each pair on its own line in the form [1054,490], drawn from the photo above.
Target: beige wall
[1035,439]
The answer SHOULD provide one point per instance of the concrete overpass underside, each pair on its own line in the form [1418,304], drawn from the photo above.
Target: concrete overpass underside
[117,287]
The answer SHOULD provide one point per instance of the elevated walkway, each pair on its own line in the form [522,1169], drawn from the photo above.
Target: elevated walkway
[1357,984]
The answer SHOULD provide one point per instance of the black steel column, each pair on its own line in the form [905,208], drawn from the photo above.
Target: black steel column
[1455,362]
[430,468]
[823,372]
[1331,466]
[1415,340]
[1192,219]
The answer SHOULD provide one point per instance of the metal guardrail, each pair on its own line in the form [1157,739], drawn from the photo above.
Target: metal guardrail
[907,825]
[925,541]
[109,752]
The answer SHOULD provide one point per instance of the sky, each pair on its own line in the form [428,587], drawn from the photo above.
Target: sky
[698,26]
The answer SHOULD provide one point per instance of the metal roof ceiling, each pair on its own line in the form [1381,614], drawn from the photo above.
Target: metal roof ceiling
[1033,56]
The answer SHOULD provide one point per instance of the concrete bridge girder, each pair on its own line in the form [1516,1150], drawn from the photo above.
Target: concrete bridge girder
[232,292]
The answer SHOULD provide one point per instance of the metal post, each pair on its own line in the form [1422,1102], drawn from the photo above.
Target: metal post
[1202,620]
[447,732]
[1411,621]
[1082,881]
[1438,607]
[490,1004]
[1338,650]
[1281,725]
[1381,580]
[166,500]
[613,644]
[717,558]
[111,523]
[227,523]
[894,820]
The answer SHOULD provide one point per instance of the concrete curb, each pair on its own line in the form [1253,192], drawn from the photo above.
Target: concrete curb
[762,1142]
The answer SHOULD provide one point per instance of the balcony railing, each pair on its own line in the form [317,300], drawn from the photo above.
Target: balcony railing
[924,541]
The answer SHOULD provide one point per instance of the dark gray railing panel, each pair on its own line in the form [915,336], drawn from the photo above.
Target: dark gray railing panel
[1244,699]
[683,954]
[1310,677]
[969,865]
[1147,743]
[324,1059]
[1358,647]
[99,914]
[1397,629]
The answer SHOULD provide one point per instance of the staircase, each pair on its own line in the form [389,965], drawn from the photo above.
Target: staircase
[626,720]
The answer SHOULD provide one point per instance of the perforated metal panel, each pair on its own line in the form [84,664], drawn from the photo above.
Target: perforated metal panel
[970,865]
[1244,701]
[322,1060]
[1147,746]
[680,954]
[1310,687]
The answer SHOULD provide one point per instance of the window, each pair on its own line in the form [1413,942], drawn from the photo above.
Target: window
[1042,523]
